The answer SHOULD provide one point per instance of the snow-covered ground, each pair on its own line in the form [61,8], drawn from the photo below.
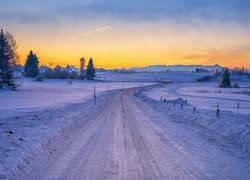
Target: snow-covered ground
[206,95]
[25,135]
[40,111]
[151,77]
[229,130]
[40,117]
[50,93]
[123,137]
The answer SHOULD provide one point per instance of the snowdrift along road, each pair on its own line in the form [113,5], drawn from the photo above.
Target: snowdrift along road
[124,141]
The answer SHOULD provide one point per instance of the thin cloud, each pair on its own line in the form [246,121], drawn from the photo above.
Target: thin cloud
[90,32]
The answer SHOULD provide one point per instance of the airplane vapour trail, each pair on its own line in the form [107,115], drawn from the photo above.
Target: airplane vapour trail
[90,32]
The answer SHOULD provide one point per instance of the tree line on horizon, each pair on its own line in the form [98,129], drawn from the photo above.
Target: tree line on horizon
[31,69]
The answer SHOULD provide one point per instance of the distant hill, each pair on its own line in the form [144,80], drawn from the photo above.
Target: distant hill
[185,68]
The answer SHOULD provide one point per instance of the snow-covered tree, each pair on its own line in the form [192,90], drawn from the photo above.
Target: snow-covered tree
[6,66]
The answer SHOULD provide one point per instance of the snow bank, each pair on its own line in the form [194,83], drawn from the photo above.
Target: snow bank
[230,130]
[205,96]
[178,101]
[26,135]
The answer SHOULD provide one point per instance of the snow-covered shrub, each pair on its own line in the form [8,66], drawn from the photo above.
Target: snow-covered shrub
[40,77]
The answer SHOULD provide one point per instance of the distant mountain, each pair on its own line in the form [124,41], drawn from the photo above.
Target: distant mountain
[185,68]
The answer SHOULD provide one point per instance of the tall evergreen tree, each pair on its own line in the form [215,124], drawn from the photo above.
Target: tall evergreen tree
[6,57]
[225,81]
[90,74]
[6,54]
[31,66]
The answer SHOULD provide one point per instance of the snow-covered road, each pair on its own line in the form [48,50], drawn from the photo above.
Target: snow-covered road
[125,141]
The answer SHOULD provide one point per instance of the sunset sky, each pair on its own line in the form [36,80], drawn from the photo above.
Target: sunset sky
[132,33]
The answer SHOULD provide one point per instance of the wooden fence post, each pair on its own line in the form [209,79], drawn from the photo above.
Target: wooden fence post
[217,112]
[94,95]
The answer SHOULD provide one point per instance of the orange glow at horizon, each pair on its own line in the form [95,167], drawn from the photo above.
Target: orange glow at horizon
[123,46]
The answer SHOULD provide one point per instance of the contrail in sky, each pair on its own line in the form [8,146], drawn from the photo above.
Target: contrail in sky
[90,32]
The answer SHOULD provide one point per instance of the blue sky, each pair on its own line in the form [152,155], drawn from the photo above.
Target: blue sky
[214,29]
[36,11]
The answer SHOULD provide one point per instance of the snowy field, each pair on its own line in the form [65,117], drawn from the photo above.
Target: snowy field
[206,95]
[54,93]
[150,77]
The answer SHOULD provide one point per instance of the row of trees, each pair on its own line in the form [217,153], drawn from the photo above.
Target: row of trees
[239,71]
[60,73]
[31,69]
[8,59]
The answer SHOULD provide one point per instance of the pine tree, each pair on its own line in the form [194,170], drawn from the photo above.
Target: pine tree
[4,54]
[6,57]
[225,81]
[31,66]
[90,74]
